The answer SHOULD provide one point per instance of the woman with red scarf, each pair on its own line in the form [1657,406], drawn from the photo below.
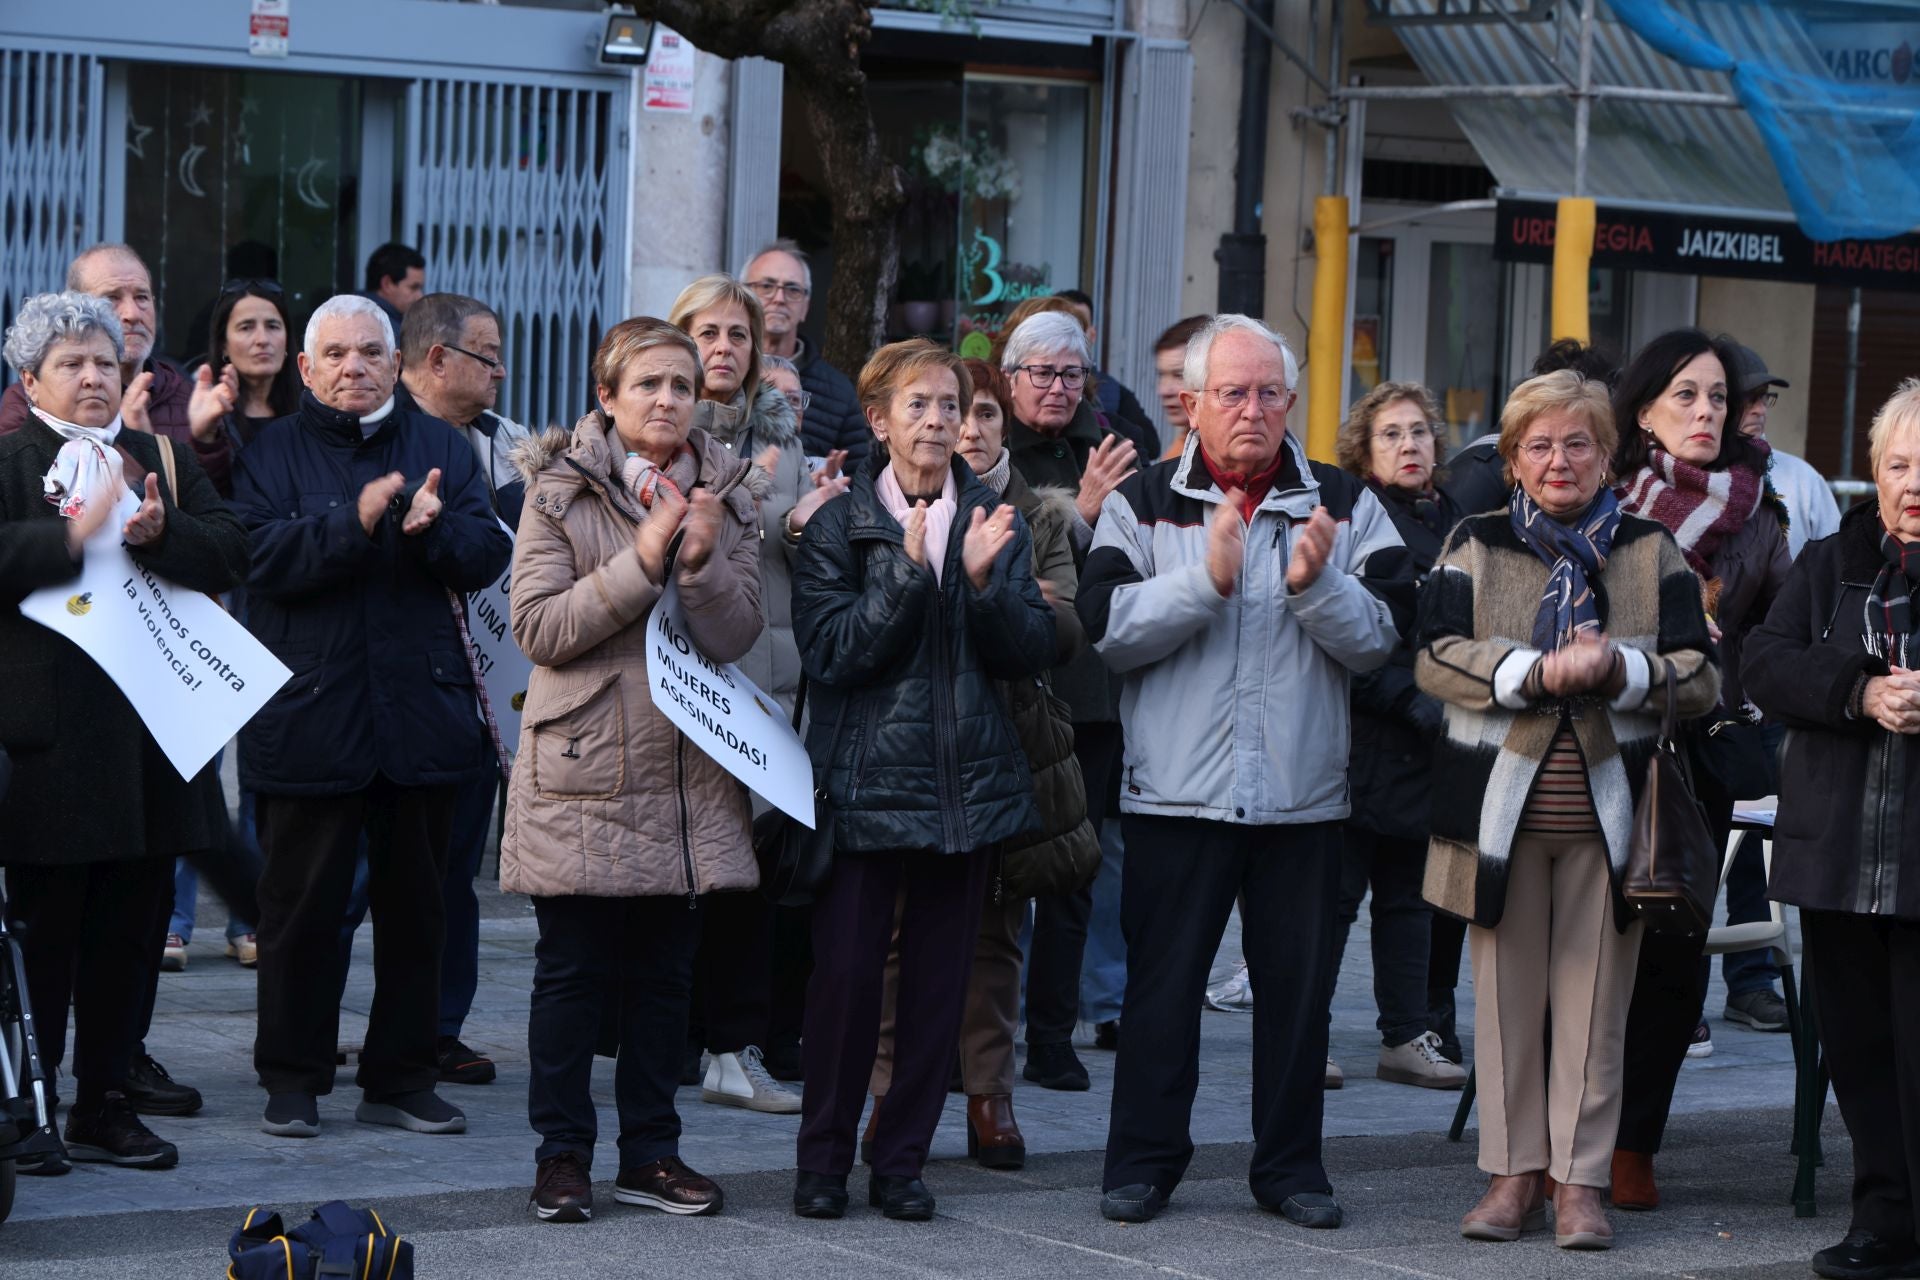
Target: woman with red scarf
[1681,462]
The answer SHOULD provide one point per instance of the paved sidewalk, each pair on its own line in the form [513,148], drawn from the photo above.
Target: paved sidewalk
[1726,1173]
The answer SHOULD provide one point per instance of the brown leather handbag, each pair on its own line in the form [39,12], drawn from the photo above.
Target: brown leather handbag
[1673,861]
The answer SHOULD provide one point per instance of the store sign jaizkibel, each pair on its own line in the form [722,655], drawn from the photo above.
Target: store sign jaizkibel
[1702,245]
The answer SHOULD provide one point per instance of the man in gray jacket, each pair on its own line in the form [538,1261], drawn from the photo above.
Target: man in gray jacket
[1234,588]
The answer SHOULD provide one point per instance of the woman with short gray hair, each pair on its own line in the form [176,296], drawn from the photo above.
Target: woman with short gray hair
[95,813]
[1056,440]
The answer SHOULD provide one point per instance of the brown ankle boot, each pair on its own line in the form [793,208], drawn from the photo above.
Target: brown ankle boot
[993,1138]
[873,1126]
[1633,1181]
[1513,1204]
[1579,1221]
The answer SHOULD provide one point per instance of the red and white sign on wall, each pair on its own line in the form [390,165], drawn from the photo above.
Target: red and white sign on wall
[267,29]
[669,79]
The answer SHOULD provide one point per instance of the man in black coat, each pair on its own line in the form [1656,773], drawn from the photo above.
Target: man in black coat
[369,522]
[780,277]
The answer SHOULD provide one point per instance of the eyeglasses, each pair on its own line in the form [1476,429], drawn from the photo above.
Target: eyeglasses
[1769,399]
[1272,399]
[778,288]
[1042,375]
[1394,437]
[1576,451]
[252,285]
[488,361]
[799,400]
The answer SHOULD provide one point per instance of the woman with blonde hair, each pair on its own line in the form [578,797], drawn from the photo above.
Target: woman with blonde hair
[1550,630]
[619,830]
[743,411]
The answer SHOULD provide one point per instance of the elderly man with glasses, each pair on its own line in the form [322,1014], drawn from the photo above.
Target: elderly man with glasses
[783,281]
[1237,590]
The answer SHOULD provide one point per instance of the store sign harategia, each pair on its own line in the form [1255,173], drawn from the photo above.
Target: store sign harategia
[1703,245]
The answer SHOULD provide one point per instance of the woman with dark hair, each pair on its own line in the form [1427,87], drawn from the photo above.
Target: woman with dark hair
[1681,462]
[1391,440]
[250,334]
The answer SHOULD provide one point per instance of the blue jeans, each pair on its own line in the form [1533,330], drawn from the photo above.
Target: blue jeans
[1103,973]
[186,891]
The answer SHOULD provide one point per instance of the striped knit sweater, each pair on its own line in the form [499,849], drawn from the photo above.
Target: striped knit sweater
[1475,647]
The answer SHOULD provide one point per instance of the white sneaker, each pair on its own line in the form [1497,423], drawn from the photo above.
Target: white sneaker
[1234,994]
[173,956]
[1700,1044]
[741,1080]
[1420,1062]
[1335,1078]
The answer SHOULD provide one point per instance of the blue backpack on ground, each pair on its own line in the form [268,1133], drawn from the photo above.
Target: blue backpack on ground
[336,1241]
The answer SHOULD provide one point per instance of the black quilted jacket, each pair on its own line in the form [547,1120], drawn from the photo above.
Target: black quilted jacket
[915,744]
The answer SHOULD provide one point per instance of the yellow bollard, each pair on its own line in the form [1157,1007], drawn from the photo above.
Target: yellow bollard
[1572,255]
[1327,342]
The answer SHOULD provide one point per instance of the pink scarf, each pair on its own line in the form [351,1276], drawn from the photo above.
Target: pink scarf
[939,514]
[1700,508]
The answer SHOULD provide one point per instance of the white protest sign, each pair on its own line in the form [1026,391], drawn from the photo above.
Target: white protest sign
[725,715]
[503,668]
[192,673]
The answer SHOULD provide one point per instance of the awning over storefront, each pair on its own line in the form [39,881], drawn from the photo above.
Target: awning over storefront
[1824,131]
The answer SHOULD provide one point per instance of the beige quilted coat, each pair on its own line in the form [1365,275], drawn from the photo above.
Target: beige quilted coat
[607,798]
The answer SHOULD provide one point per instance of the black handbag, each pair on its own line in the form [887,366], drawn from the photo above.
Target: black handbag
[1731,760]
[1673,861]
[795,862]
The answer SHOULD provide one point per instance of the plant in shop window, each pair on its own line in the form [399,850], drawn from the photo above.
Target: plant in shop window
[969,165]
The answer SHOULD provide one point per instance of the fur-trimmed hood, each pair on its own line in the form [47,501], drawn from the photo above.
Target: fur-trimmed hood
[557,464]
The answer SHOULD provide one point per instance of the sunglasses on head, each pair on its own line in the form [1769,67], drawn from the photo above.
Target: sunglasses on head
[269,287]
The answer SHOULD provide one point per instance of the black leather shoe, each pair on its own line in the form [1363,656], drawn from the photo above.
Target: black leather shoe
[1137,1202]
[1056,1066]
[820,1195]
[1865,1256]
[1106,1035]
[155,1093]
[899,1197]
[1313,1209]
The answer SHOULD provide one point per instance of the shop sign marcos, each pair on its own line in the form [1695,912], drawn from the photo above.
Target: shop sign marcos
[1703,245]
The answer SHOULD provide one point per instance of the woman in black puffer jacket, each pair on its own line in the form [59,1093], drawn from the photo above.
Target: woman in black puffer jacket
[911,596]
[1390,440]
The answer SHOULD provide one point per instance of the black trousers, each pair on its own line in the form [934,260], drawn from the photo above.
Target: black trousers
[940,897]
[1866,982]
[1060,919]
[792,967]
[1669,987]
[233,872]
[732,973]
[1181,878]
[640,949]
[91,934]
[312,844]
[1448,936]
[1402,922]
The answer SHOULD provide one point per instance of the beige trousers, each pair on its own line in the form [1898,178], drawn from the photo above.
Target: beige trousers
[1556,960]
[992,1011]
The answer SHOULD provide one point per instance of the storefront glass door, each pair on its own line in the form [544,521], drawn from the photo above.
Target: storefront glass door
[240,174]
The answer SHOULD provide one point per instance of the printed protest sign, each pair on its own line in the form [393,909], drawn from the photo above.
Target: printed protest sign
[193,674]
[725,715]
[504,669]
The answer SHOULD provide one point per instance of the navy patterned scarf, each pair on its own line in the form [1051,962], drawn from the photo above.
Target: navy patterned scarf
[1889,621]
[1576,551]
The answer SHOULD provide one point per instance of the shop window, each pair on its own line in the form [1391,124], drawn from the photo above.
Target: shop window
[1463,326]
[1372,312]
[1021,166]
[240,173]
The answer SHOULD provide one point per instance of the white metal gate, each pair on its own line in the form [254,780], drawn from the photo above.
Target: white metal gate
[517,195]
[50,169]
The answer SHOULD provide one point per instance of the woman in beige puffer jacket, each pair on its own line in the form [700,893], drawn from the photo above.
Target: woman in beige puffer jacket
[616,824]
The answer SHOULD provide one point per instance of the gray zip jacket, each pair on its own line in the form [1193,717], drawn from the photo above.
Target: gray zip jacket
[1235,708]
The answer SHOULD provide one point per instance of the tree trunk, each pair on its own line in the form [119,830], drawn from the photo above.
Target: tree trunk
[819,42]
[866,193]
